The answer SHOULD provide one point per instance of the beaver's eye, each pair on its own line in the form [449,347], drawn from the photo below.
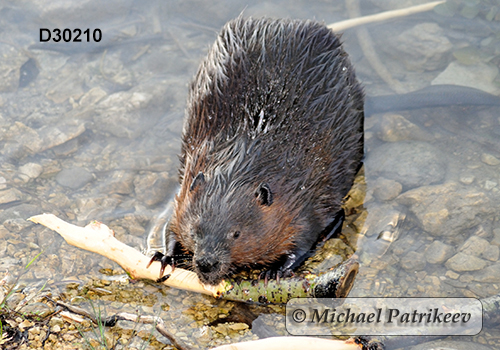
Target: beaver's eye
[236,234]
[264,194]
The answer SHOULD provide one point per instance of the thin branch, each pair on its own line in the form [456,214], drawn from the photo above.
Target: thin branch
[383,16]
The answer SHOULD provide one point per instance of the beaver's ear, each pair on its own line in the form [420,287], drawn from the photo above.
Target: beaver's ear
[264,194]
[197,181]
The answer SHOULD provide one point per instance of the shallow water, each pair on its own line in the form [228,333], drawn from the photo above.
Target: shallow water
[92,132]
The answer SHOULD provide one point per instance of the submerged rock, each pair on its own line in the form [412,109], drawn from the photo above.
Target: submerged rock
[445,210]
[438,252]
[424,47]
[463,262]
[74,178]
[410,163]
[11,61]
[479,76]
[395,128]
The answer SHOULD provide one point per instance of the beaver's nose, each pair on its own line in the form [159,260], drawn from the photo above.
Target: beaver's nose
[207,264]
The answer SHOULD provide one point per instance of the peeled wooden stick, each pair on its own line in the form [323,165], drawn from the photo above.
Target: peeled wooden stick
[293,343]
[379,17]
[98,238]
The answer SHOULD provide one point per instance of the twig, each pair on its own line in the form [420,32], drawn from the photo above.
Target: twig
[354,22]
[110,321]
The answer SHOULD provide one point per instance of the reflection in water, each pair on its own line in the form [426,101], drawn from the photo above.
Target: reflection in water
[92,131]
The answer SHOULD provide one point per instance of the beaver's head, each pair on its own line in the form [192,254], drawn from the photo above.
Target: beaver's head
[227,220]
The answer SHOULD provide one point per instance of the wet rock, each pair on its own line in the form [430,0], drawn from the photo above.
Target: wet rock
[16,225]
[11,61]
[479,76]
[121,182]
[386,190]
[413,261]
[490,274]
[452,275]
[114,73]
[49,241]
[424,47]
[437,252]
[133,224]
[8,263]
[489,185]
[468,55]
[92,96]
[39,309]
[152,188]
[28,73]
[489,159]
[59,134]
[14,300]
[395,127]
[94,207]
[51,168]
[71,87]
[4,233]
[74,178]
[467,179]
[463,262]
[20,140]
[56,321]
[10,195]
[129,113]
[66,148]
[21,211]
[51,62]
[496,237]
[119,114]
[445,210]
[474,246]
[491,253]
[30,171]
[410,163]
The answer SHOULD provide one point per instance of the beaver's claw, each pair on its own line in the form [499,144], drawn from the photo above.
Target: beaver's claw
[164,260]
[275,274]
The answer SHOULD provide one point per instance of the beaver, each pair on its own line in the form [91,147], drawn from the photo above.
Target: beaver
[272,141]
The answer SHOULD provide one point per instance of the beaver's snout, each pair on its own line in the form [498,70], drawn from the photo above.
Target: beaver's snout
[207,264]
[210,269]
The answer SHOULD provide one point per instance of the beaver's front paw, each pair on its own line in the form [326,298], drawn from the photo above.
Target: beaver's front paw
[275,274]
[164,260]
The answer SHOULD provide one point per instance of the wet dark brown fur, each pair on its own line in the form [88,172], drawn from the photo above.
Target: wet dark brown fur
[272,140]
